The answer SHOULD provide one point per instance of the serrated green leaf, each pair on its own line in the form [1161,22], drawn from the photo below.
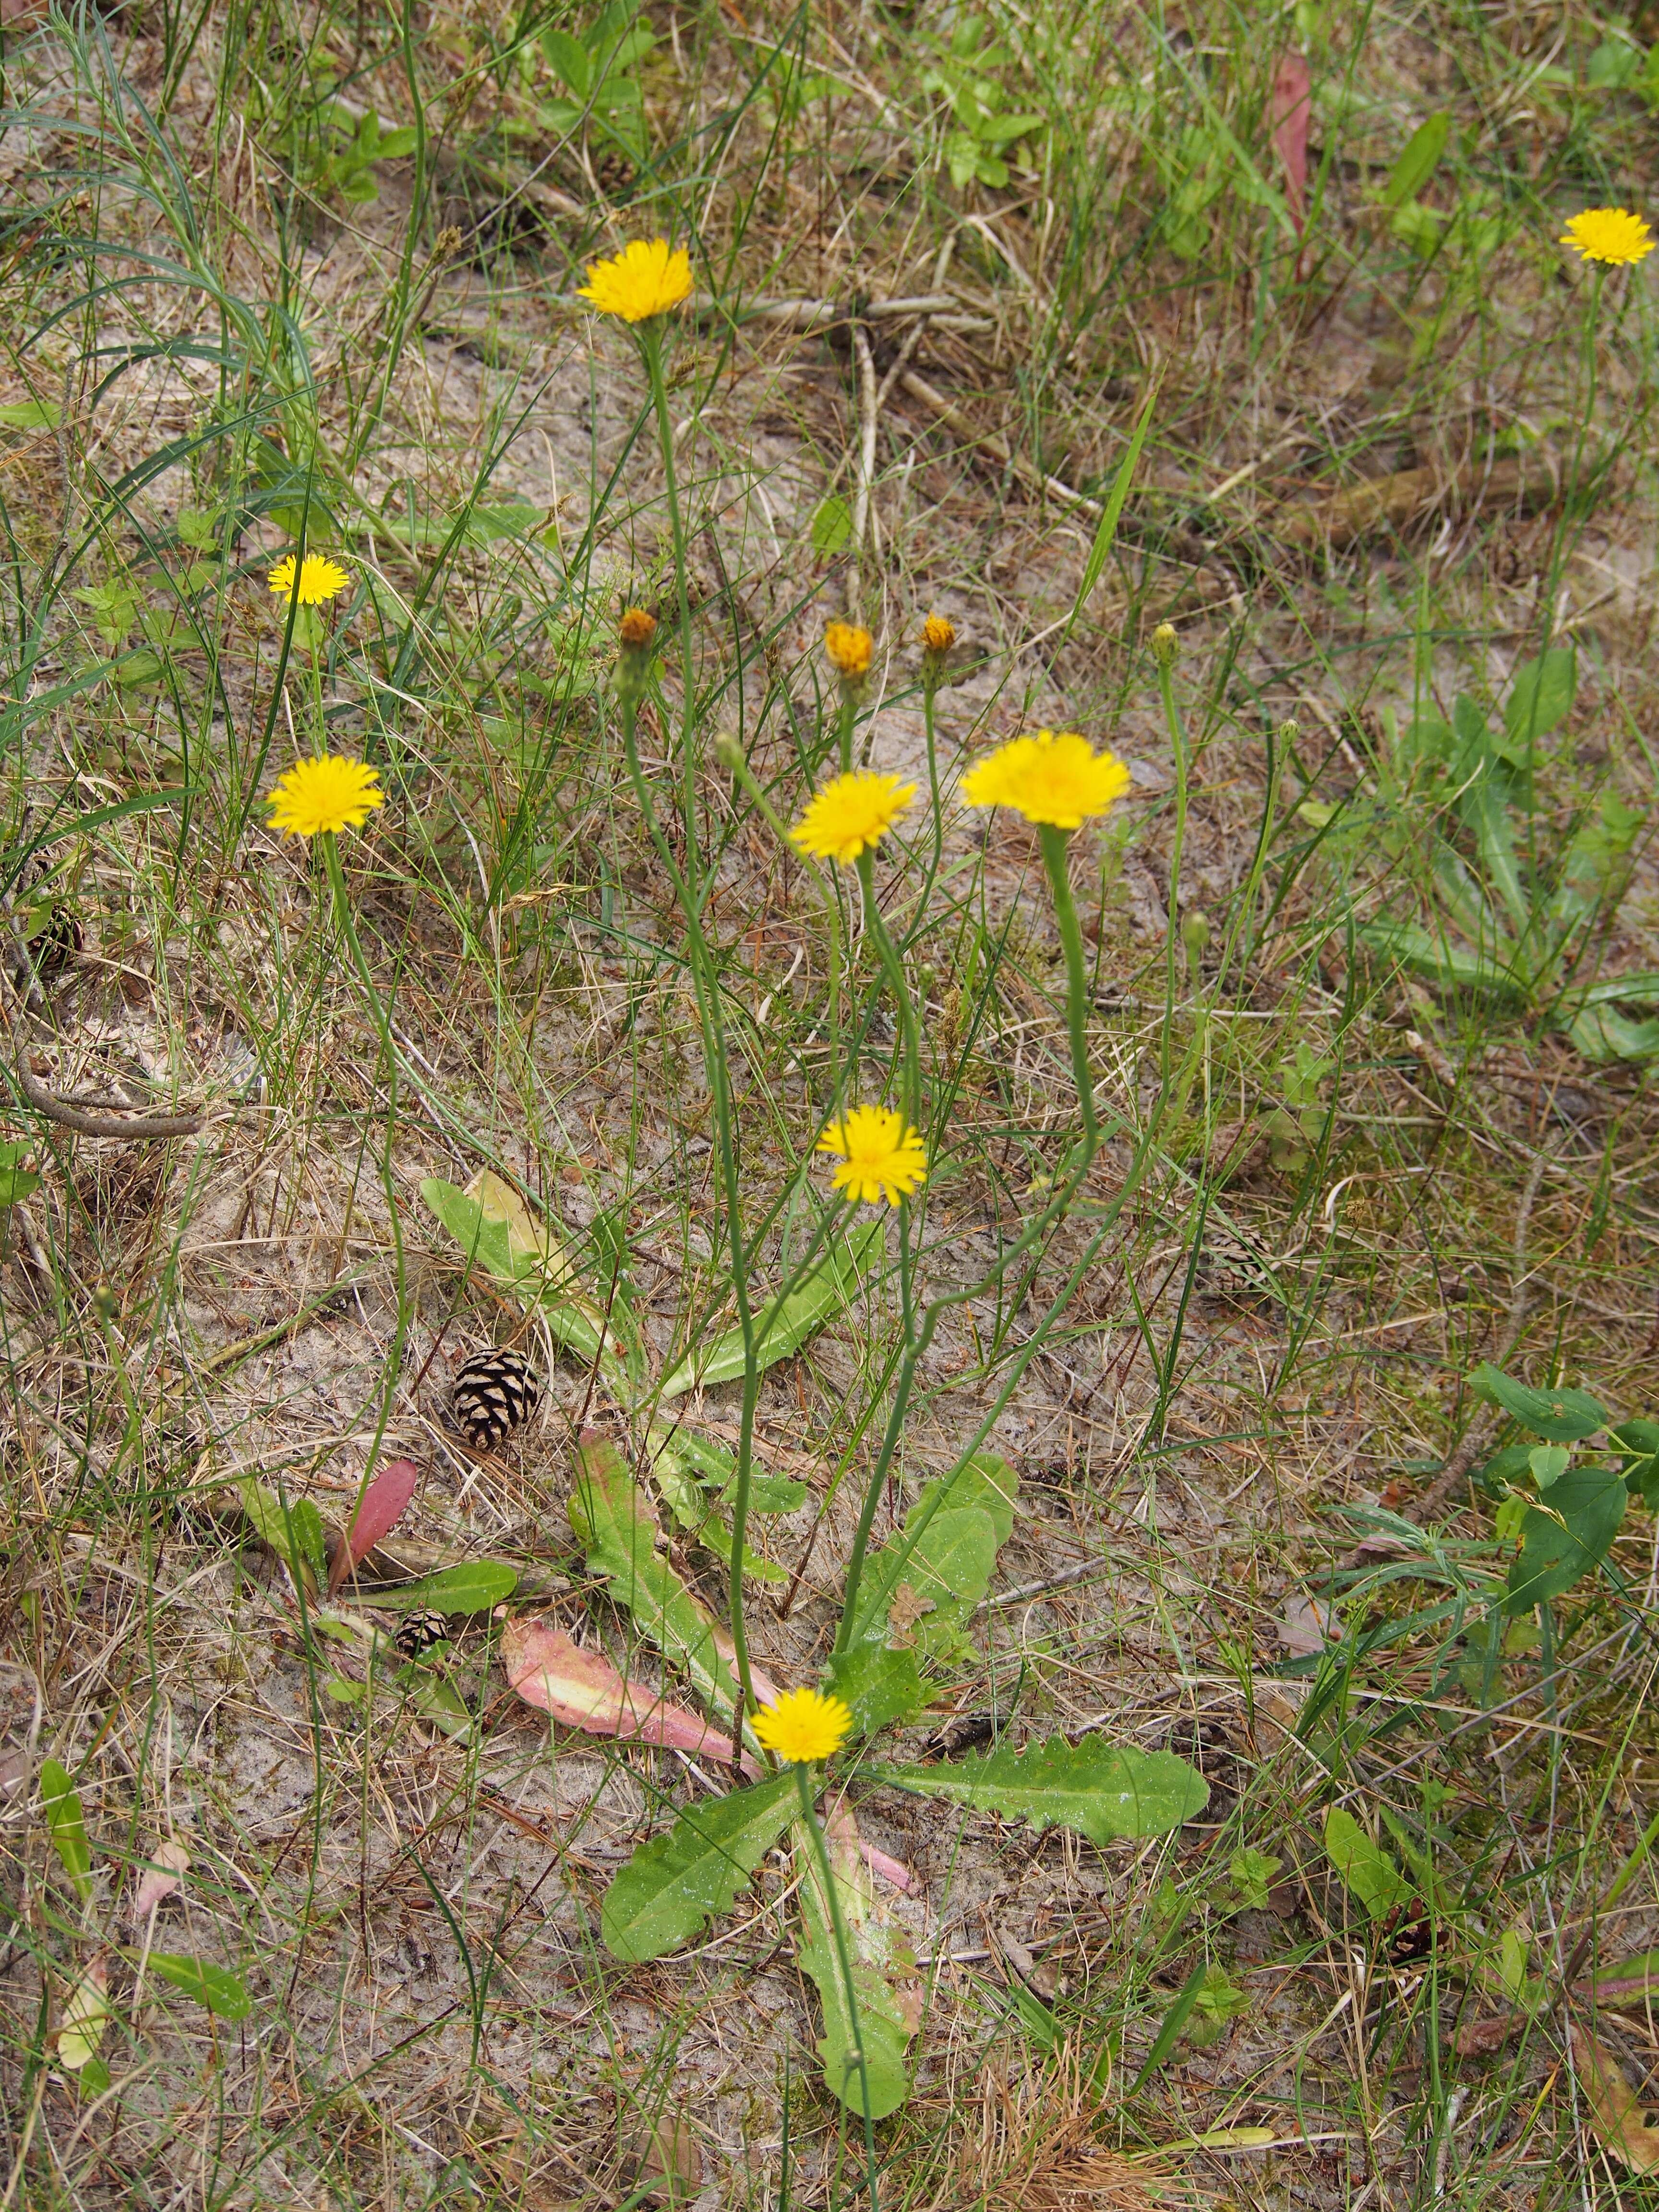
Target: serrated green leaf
[1561,1416]
[1097,1788]
[1442,962]
[882,1964]
[66,1825]
[1364,1867]
[17,1183]
[611,1524]
[292,1528]
[877,1685]
[676,1883]
[1417,161]
[475,1586]
[1566,1534]
[831,528]
[785,1325]
[495,1228]
[216,1987]
[1541,695]
[946,1551]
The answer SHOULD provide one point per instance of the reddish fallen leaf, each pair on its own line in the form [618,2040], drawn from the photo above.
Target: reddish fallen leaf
[767,1692]
[384,1505]
[1478,2037]
[1292,91]
[892,1872]
[159,1878]
[582,1690]
[1617,2114]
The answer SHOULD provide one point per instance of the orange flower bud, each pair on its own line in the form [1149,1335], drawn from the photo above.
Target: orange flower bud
[637,629]
[849,646]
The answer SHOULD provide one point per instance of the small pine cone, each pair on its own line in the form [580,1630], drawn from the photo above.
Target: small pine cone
[614,172]
[494,1392]
[417,1631]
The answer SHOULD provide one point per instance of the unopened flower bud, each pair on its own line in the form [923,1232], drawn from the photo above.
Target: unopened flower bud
[635,631]
[729,753]
[849,646]
[1165,645]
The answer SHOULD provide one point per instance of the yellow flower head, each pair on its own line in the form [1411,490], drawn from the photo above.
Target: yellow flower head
[319,579]
[333,793]
[1052,777]
[1610,234]
[803,1725]
[939,634]
[646,278]
[849,646]
[851,813]
[636,629]
[880,1157]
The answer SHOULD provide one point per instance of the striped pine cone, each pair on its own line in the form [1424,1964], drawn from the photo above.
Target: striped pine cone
[495,1393]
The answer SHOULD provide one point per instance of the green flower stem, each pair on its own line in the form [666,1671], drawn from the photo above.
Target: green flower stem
[843,1958]
[844,727]
[705,979]
[929,694]
[895,969]
[651,347]
[917,1348]
[389,1059]
[1178,744]
[1056,843]
[731,758]
[706,982]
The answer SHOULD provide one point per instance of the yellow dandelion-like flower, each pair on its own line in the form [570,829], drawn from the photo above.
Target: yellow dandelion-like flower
[803,1725]
[849,646]
[1051,777]
[851,813]
[880,1157]
[1611,235]
[333,793]
[646,278]
[319,579]
[939,634]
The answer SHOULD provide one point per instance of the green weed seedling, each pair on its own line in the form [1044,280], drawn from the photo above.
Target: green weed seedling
[1564,1509]
[987,123]
[89,1948]
[596,70]
[1516,913]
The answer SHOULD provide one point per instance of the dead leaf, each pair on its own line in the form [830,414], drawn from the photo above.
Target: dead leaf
[528,1240]
[159,1878]
[667,2152]
[81,2028]
[384,1504]
[1306,1627]
[1617,2114]
[907,1608]
[893,1871]
[1476,2038]
[582,1690]
[1392,502]
[1292,92]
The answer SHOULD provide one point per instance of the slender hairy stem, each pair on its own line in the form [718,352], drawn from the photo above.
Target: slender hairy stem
[651,347]
[389,1061]
[1055,846]
[705,982]
[886,952]
[1178,745]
